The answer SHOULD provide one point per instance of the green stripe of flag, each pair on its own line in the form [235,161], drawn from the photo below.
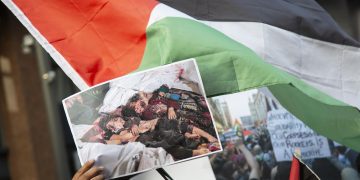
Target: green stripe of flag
[227,66]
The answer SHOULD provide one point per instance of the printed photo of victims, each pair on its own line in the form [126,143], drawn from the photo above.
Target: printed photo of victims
[143,120]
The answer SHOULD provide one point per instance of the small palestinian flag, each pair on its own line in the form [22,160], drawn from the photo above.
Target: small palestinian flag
[300,171]
[293,47]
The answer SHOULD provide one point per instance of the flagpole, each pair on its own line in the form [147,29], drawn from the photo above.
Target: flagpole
[164,174]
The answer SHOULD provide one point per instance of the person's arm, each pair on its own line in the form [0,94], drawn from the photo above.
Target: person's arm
[172,106]
[250,159]
[89,171]
[119,139]
[198,152]
[202,133]
[114,142]
[191,136]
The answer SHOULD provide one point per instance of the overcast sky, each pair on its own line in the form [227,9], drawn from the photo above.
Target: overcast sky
[238,102]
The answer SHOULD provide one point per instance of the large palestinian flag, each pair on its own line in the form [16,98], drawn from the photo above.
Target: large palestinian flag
[291,46]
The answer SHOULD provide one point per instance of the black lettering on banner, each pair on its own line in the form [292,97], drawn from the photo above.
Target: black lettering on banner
[287,154]
[319,142]
[299,144]
[311,153]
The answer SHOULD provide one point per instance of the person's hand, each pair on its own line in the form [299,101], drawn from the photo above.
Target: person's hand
[89,171]
[135,130]
[171,113]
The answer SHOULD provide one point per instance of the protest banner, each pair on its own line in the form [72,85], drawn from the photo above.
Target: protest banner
[231,136]
[287,133]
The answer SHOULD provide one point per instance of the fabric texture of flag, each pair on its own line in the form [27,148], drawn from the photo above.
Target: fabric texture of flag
[292,47]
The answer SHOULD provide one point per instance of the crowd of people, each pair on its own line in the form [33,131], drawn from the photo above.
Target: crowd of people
[253,158]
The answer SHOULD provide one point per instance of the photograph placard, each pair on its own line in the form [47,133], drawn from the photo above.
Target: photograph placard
[144,120]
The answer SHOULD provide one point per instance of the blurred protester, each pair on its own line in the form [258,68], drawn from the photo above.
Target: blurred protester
[236,163]
[250,159]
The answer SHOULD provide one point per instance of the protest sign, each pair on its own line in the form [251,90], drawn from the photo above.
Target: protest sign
[231,136]
[287,133]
